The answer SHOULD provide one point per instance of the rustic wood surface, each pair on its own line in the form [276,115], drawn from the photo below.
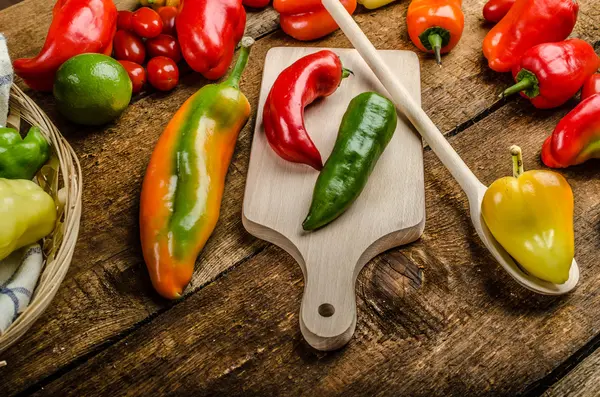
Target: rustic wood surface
[437,317]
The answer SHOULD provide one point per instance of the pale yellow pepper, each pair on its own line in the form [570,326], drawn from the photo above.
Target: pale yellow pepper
[371,4]
[27,214]
[531,216]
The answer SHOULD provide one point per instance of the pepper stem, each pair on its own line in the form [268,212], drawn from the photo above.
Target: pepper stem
[238,69]
[517,158]
[522,85]
[346,72]
[436,44]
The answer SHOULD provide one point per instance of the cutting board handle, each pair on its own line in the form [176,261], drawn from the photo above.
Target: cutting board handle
[328,310]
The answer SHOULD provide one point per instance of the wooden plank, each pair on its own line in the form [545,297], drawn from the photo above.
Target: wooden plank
[107,293]
[438,317]
[581,381]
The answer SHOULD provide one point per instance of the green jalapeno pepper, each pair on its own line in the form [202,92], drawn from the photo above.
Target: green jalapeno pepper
[22,158]
[366,129]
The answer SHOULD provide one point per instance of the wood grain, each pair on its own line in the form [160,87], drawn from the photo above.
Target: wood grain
[582,381]
[107,296]
[389,212]
[438,317]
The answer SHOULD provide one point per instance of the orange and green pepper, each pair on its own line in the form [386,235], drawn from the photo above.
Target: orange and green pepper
[531,216]
[182,190]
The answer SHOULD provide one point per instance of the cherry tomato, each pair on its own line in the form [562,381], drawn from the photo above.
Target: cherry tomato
[124,20]
[136,73]
[146,23]
[173,3]
[128,47]
[168,14]
[162,73]
[164,45]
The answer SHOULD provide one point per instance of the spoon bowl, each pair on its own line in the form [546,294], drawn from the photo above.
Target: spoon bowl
[473,188]
[508,263]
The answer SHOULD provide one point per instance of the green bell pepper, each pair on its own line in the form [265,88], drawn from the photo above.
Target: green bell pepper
[366,129]
[27,214]
[22,158]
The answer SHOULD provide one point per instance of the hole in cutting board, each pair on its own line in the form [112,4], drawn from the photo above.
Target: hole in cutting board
[326,310]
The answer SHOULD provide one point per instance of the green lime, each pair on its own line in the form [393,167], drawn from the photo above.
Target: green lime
[92,89]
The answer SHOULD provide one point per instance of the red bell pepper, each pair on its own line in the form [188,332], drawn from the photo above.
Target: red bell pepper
[591,86]
[208,31]
[495,10]
[313,76]
[576,138]
[78,26]
[256,3]
[550,74]
[307,19]
[528,23]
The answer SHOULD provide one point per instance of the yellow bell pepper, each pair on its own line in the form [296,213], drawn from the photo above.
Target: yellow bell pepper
[27,214]
[371,4]
[531,216]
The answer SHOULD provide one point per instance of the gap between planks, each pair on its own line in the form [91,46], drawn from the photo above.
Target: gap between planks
[565,368]
[40,384]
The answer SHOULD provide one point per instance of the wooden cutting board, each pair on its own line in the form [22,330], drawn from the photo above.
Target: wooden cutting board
[389,212]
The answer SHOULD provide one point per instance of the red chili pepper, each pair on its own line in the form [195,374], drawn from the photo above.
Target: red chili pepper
[495,10]
[591,86]
[256,3]
[575,138]
[208,31]
[307,19]
[313,76]
[550,74]
[78,26]
[528,23]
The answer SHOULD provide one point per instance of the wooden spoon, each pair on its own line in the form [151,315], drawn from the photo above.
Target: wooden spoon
[473,188]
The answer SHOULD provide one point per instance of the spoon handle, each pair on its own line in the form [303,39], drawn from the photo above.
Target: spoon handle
[404,102]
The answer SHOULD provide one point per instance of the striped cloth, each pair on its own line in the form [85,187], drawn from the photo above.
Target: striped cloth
[19,273]
[6,79]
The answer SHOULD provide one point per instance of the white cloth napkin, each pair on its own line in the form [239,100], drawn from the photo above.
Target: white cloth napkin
[6,79]
[19,273]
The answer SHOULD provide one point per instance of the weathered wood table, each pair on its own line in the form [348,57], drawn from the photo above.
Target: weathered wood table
[438,317]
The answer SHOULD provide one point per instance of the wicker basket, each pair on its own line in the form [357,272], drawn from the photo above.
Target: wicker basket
[61,177]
